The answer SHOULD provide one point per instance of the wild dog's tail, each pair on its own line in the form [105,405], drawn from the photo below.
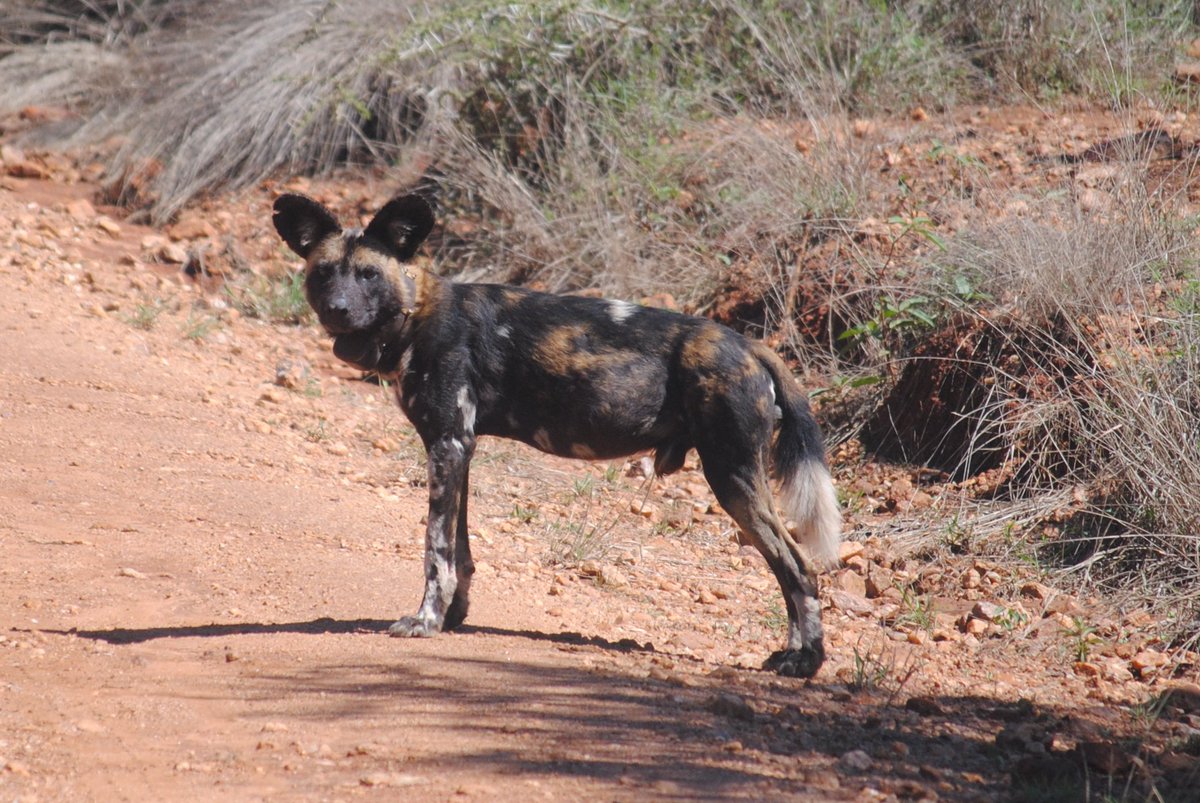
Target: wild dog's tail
[798,459]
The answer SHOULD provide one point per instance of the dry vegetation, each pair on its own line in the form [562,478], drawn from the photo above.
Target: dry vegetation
[717,153]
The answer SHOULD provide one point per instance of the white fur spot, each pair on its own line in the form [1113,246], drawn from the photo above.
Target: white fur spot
[582,450]
[468,409]
[503,331]
[807,630]
[541,439]
[620,310]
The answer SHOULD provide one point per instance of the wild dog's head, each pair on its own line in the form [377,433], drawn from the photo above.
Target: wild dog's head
[355,279]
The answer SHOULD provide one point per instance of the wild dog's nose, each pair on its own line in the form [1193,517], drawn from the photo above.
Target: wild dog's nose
[337,309]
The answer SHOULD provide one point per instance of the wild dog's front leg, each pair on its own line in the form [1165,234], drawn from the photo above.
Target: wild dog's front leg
[463,564]
[448,461]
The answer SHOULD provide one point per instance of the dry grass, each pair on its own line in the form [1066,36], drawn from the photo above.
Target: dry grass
[1095,400]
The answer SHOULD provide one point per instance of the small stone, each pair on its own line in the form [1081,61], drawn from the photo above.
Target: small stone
[1037,591]
[391,779]
[134,573]
[338,449]
[612,577]
[924,706]
[108,225]
[849,549]
[850,603]
[987,611]
[855,761]
[851,581]
[1106,757]
[1148,663]
[728,704]
[1188,73]
[81,209]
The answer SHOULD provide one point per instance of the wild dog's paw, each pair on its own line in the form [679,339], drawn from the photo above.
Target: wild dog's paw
[413,627]
[357,348]
[801,663]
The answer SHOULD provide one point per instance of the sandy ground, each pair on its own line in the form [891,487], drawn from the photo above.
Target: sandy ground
[200,563]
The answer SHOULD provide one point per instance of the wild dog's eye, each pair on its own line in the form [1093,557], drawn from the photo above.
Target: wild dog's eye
[368,274]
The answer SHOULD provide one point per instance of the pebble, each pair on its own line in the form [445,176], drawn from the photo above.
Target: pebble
[392,779]
[728,704]
[855,761]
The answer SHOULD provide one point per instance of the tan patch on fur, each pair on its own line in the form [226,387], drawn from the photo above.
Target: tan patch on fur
[556,352]
[330,251]
[702,348]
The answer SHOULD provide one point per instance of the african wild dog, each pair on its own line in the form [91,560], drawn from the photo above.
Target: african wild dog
[572,376]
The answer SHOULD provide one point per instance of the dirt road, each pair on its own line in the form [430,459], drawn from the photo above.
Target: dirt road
[208,524]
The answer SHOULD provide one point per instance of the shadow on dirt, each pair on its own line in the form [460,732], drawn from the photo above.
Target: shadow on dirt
[119,635]
[612,717]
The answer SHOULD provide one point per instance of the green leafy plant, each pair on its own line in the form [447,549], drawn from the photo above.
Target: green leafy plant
[1083,638]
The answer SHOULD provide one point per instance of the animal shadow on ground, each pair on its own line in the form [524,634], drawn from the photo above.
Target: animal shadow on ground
[682,734]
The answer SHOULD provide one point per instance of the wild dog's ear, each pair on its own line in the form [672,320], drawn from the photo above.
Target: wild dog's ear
[402,225]
[302,223]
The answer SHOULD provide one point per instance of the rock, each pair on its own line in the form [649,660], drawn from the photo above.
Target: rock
[850,603]
[987,611]
[1116,670]
[877,582]
[291,373]
[851,581]
[1037,591]
[391,779]
[612,577]
[1148,663]
[1106,757]
[849,549]
[1093,200]
[855,761]
[924,706]
[1185,696]
[1065,605]
[81,209]
[191,227]
[134,573]
[108,225]
[1187,73]
[728,704]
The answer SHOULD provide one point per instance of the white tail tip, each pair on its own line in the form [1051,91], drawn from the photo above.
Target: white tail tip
[810,500]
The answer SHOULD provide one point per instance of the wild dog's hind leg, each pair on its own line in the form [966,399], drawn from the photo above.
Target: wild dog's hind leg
[735,468]
[448,458]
